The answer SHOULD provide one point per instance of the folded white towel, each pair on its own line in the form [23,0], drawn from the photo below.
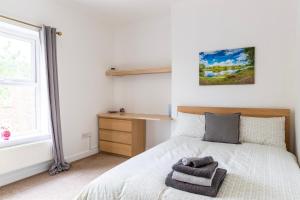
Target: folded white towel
[193,179]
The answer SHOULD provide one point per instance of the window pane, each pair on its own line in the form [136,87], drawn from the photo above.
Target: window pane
[15,59]
[17,109]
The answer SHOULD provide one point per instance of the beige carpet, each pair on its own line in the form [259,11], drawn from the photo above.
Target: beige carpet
[63,186]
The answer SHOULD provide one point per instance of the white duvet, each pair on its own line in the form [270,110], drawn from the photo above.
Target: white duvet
[255,172]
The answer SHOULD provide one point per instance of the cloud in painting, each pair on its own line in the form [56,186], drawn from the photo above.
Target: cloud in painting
[232,51]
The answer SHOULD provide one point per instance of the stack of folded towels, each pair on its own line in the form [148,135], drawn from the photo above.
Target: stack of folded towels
[197,175]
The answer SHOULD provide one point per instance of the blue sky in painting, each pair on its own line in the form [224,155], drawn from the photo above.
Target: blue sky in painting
[228,57]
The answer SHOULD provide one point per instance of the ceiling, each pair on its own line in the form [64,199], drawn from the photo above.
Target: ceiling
[125,11]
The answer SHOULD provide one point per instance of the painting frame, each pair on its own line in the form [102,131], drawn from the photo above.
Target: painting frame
[227,67]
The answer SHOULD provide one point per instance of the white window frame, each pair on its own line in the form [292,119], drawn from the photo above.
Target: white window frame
[19,33]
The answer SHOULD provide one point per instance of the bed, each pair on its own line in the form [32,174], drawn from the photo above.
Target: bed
[255,171]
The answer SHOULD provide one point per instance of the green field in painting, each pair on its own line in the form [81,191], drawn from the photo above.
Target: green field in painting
[243,75]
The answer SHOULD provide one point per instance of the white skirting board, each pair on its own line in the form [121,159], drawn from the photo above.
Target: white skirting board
[17,175]
[81,155]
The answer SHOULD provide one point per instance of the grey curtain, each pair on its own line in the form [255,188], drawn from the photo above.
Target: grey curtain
[48,36]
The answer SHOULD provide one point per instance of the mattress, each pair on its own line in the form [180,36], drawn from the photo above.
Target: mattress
[255,172]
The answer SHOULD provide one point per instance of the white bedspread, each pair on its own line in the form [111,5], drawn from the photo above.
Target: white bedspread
[255,172]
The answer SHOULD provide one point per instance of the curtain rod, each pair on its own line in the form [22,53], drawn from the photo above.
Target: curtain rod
[26,23]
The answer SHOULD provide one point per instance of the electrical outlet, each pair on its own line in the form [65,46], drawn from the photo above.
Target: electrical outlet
[86,135]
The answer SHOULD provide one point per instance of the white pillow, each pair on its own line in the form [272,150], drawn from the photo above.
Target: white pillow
[190,125]
[266,131]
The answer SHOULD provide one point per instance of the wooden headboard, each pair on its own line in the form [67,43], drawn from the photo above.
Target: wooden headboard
[252,112]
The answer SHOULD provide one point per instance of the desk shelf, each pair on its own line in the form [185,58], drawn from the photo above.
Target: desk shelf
[151,117]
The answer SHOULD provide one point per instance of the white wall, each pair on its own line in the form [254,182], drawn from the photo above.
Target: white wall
[84,52]
[15,158]
[297,84]
[138,45]
[213,25]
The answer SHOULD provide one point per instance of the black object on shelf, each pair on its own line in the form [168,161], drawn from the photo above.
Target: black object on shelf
[112,111]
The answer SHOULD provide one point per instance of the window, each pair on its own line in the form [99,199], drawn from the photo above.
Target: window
[21,106]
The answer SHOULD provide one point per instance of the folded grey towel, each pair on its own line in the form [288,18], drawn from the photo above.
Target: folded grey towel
[197,162]
[205,171]
[193,179]
[198,189]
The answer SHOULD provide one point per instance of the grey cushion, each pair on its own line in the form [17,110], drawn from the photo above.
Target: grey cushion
[222,128]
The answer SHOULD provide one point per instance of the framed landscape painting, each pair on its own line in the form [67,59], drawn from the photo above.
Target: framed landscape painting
[227,67]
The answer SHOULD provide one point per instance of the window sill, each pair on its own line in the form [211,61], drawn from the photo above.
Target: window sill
[22,140]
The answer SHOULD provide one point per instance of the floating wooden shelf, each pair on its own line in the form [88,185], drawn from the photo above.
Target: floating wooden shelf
[135,116]
[128,72]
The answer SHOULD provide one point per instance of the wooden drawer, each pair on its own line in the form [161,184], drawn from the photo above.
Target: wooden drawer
[116,148]
[115,124]
[116,136]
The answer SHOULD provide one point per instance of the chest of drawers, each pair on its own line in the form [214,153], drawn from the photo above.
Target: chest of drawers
[122,136]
